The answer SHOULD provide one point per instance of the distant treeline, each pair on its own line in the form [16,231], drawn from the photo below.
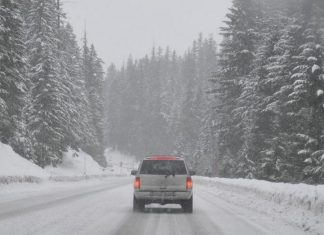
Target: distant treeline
[157,104]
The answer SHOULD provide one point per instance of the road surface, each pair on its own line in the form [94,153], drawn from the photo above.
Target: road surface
[105,207]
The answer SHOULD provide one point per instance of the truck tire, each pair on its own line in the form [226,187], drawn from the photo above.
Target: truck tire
[187,206]
[138,205]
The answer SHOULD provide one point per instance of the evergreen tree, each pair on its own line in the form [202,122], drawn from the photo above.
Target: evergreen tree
[78,133]
[12,72]
[112,102]
[236,60]
[47,120]
[93,76]
[305,99]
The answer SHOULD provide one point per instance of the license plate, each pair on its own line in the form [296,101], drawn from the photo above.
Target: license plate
[163,194]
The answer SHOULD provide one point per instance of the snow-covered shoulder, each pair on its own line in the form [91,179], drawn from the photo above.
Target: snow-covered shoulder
[78,164]
[298,204]
[14,168]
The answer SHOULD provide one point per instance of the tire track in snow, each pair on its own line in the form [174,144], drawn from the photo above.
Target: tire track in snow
[171,221]
[138,223]
[13,209]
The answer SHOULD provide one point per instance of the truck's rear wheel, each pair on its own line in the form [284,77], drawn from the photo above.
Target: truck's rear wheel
[187,205]
[138,205]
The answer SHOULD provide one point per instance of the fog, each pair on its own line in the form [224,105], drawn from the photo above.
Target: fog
[220,139]
[120,28]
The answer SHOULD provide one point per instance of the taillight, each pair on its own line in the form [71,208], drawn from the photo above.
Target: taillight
[137,183]
[189,183]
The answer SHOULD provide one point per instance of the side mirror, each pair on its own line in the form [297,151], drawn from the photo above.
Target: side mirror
[134,172]
[192,172]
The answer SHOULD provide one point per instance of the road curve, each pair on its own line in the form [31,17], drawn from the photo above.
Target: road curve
[105,209]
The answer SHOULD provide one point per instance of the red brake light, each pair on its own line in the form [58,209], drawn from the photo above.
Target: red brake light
[163,158]
[189,183]
[137,183]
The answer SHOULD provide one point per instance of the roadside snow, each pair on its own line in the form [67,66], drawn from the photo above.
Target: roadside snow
[76,164]
[119,163]
[12,164]
[297,204]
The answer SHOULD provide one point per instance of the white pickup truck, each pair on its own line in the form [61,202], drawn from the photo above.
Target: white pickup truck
[163,180]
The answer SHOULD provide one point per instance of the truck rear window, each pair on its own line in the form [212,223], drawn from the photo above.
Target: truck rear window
[163,167]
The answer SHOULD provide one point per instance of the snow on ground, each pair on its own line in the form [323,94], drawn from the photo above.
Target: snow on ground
[79,163]
[14,191]
[18,168]
[120,163]
[76,163]
[63,208]
[298,204]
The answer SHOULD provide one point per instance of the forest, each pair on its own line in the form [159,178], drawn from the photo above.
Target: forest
[251,106]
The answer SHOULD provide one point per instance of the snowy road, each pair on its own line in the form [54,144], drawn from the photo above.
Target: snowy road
[105,207]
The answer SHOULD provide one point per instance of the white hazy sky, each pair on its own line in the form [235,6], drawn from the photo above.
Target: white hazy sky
[119,28]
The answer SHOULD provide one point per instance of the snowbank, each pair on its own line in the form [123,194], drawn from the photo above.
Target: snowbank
[78,165]
[14,168]
[309,197]
[75,163]
[298,204]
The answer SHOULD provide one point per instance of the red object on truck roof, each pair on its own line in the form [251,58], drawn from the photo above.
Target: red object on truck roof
[162,157]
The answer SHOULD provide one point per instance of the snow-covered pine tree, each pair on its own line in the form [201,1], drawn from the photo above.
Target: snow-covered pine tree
[306,99]
[205,150]
[236,61]
[174,97]
[129,106]
[111,104]
[187,124]
[263,93]
[78,133]
[68,59]
[4,81]
[47,120]
[271,88]
[93,76]
[12,72]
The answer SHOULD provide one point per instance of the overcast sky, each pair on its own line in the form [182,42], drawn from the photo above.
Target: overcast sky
[119,28]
